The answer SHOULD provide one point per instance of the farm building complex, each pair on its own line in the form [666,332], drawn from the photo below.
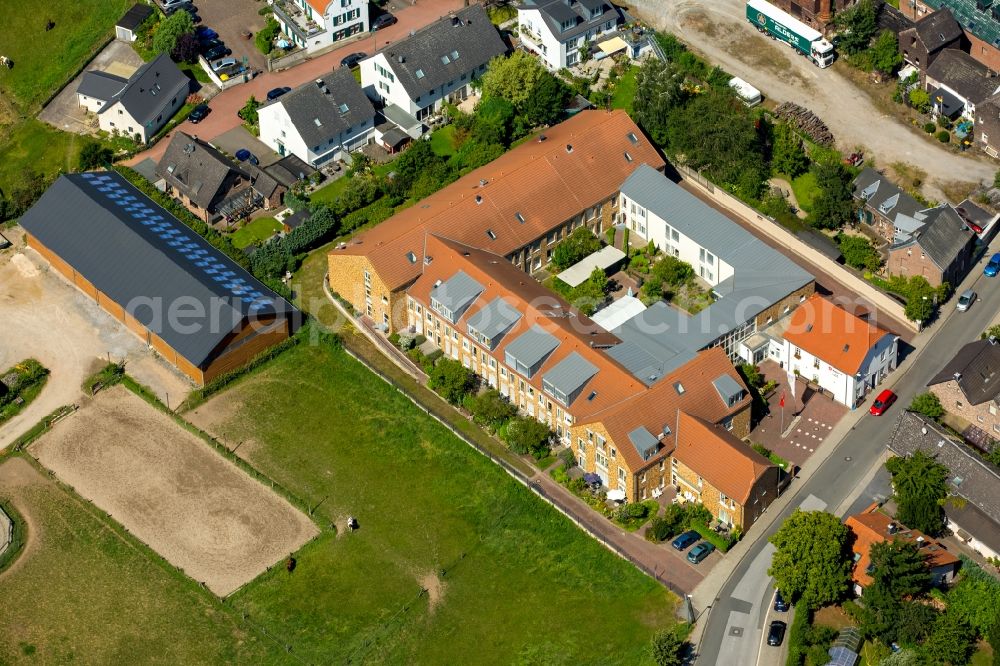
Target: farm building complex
[187,300]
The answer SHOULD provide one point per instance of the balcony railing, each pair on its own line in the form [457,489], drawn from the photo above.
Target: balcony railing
[293,16]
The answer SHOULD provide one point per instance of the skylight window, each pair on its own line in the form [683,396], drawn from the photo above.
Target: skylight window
[419,73]
[412,258]
[628,158]
[633,138]
[491,234]
[519,217]
[454,55]
[344,108]
[445,59]
[318,123]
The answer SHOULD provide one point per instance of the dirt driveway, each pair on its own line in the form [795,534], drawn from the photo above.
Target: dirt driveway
[46,318]
[718,30]
[65,113]
[231,17]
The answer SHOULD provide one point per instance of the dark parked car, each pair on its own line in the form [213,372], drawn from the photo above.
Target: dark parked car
[685,540]
[275,93]
[198,113]
[777,633]
[220,51]
[383,21]
[700,552]
[780,605]
[244,155]
[204,34]
[351,61]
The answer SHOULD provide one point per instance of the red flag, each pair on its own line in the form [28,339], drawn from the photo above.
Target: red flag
[781,403]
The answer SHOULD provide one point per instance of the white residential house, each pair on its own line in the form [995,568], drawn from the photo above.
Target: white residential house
[843,354]
[137,107]
[317,24]
[414,77]
[319,121]
[557,29]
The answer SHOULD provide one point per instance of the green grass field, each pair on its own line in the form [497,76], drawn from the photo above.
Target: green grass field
[625,90]
[520,583]
[45,59]
[443,141]
[257,230]
[84,592]
[805,189]
[32,144]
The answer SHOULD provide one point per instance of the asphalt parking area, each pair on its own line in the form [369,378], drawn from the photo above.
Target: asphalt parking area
[65,113]
[230,18]
[238,137]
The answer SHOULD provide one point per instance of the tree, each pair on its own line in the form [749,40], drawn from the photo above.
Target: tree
[264,40]
[898,571]
[451,380]
[927,404]
[249,111]
[512,78]
[186,49]
[545,105]
[919,309]
[490,409]
[94,155]
[916,619]
[858,25]
[673,271]
[579,244]
[920,100]
[668,647]
[920,486]
[993,637]
[657,95]
[951,641]
[493,121]
[833,206]
[811,562]
[976,598]
[524,434]
[787,154]
[170,30]
[885,53]
[591,293]
[858,252]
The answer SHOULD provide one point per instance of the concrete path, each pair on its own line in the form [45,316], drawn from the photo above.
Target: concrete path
[225,105]
[719,30]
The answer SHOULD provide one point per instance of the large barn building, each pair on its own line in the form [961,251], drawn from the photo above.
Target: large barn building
[187,300]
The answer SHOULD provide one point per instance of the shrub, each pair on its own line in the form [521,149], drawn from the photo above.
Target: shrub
[929,128]
[450,379]
[943,136]
[567,458]
[523,434]
[265,38]
[490,409]
[927,404]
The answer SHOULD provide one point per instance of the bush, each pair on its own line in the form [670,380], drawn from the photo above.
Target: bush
[929,128]
[265,38]
[927,404]
[943,136]
[567,458]
[523,434]
[798,636]
[450,379]
[490,409]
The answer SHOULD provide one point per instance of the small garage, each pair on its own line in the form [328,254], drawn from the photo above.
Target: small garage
[127,28]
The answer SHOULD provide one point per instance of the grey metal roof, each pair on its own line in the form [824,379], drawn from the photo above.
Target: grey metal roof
[431,50]
[762,276]
[975,214]
[146,260]
[196,169]
[556,12]
[644,442]
[456,294]
[877,190]
[100,85]
[977,365]
[297,219]
[970,477]
[657,342]
[529,349]
[150,90]
[135,16]
[729,389]
[324,100]
[494,318]
[568,377]
[944,236]
[963,74]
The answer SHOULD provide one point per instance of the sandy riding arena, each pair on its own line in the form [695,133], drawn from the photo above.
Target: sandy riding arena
[170,489]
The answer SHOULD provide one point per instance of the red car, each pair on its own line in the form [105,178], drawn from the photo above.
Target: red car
[882,402]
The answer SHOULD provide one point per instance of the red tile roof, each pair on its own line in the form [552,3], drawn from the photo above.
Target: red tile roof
[872,526]
[832,334]
[725,462]
[319,5]
[580,163]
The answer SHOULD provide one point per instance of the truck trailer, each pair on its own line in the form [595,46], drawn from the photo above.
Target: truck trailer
[784,27]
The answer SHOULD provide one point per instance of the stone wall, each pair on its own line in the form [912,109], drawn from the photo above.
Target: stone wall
[985,416]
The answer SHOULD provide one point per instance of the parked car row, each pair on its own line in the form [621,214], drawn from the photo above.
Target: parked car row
[696,554]
[170,7]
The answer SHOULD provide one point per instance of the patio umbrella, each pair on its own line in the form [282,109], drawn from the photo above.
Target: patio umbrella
[616,495]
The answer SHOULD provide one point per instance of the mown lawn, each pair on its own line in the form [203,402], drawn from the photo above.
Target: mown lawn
[625,90]
[32,144]
[512,580]
[805,189]
[256,230]
[45,59]
[84,592]
[443,141]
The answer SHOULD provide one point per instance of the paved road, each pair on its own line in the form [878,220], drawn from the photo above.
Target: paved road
[718,30]
[847,478]
[225,105]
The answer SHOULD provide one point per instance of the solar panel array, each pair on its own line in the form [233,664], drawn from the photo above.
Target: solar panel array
[181,239]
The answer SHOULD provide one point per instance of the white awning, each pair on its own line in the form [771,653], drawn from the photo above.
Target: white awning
[616,495]
[578,273]
[613,45]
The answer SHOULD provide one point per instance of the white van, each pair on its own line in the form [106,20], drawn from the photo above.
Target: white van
[747,93]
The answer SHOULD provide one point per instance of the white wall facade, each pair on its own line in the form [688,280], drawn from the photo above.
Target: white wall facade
[342,19]
[651,227]
[845,388]
[118,119]
[556,53]
[92,104]
[278,132]
[382,85]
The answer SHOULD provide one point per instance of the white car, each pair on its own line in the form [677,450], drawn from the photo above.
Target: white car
[167,4]
[966,300]
[223,63]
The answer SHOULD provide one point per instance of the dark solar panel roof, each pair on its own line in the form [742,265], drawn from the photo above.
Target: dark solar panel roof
[149,262]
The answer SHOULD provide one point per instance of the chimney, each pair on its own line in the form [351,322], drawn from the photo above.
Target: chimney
[825,11]
[892,528]
[920,542]
[541,138]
